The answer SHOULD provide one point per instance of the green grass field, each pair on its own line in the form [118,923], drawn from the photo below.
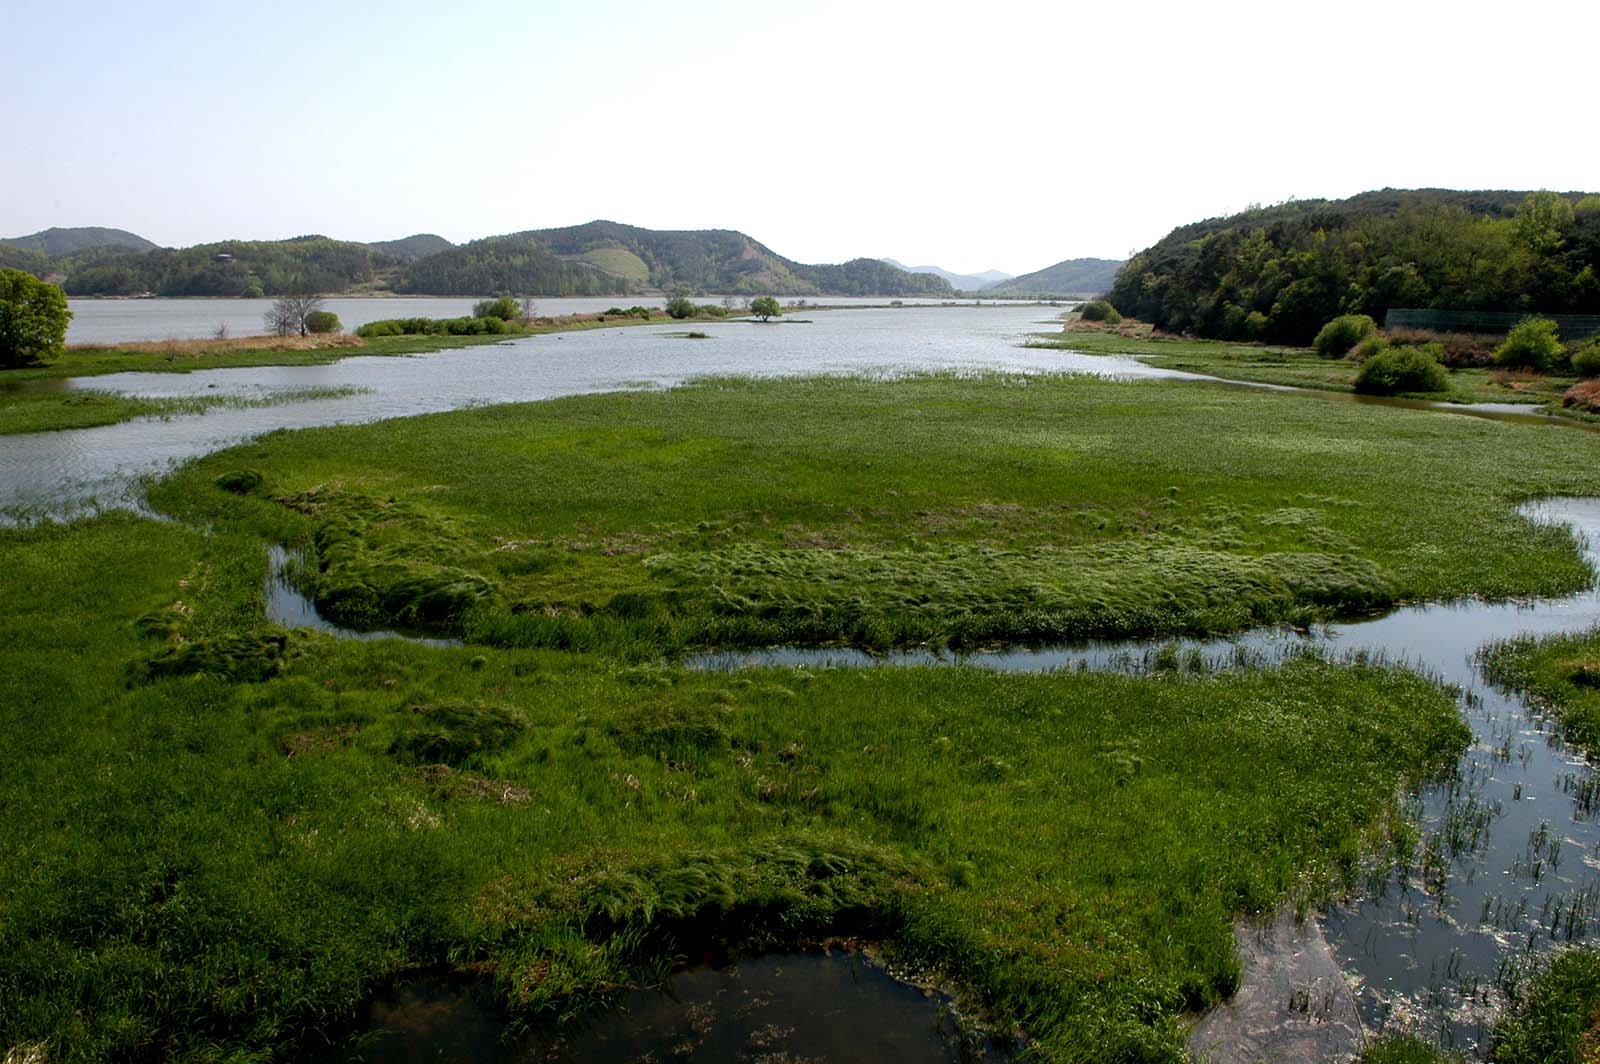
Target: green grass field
[222,837]
[1299,366]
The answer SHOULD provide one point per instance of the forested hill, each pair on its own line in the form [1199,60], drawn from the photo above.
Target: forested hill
[54,242]
[1074,277]
[232,268]
[610,257]
[1280,272]
[600,258]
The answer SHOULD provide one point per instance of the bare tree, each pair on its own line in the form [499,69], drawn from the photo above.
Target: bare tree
[289,312]
[529,309]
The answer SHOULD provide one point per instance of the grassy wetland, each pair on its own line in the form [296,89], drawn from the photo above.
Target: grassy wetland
[1301,367]
[225,835]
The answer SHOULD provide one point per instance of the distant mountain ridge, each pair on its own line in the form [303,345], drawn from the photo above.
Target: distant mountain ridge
[605,257]
[57,241]
[598,258]
[1072,277]
[963,282]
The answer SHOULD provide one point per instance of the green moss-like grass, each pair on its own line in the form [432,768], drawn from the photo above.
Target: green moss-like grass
[214,858]
[944,510]
[1560,673]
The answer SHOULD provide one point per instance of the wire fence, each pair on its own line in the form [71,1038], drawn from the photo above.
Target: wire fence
[1487,322]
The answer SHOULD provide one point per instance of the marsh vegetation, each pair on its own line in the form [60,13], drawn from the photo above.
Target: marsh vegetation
[228,835]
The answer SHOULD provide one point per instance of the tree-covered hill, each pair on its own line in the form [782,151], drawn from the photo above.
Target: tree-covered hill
[233,268]
[1280,272]
[56,242]
[417,246]
[593,258]
[1074,277]
[600,258]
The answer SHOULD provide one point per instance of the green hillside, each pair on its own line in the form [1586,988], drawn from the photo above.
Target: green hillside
[700,261]
[1280,272]
[1073,277]
[56,242]
[597,259]
[417,246]
[233,268]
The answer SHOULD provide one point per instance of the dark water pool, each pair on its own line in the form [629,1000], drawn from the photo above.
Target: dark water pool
[791,1007]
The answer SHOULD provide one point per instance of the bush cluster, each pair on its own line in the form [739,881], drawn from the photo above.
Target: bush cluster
[1403,369]
[469,326]
[504,307]
[1339,336]
[1100,310]
[681,307]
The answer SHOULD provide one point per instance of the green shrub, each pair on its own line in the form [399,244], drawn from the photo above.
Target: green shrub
[1369,346]
[323,321]
[504,307]
[379,328]
[1100,310]
[253,291]
[1402,369]
[1532,344]
[1343,333]
[1586,359]
[680,307]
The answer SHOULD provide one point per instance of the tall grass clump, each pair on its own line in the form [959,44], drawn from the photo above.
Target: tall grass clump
[1339,336]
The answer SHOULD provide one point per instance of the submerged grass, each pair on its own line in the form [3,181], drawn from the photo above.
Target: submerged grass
[25,410]
[1560,674]
[941,510]
[186,356]
[226,854]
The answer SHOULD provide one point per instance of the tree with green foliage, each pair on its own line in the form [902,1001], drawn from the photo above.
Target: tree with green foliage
[33,320]
[765,307]
[1532,344]
[680,307]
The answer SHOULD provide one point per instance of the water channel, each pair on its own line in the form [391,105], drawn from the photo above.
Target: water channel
[1515,841]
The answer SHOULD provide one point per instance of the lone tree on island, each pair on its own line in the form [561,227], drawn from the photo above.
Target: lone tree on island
[33,319]
[765,307]
[290,313]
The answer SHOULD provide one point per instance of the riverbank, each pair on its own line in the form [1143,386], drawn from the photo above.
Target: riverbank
[1298,367]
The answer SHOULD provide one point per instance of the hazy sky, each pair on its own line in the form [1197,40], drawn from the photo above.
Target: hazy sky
[969,136]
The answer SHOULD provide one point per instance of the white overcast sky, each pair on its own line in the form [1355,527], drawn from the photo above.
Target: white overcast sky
[970,136]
